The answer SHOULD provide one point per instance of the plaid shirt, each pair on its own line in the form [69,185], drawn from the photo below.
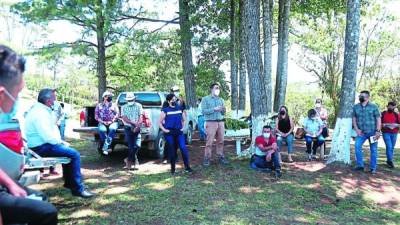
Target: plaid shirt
[106,112]
[366,117]
[207,108]
[133,112]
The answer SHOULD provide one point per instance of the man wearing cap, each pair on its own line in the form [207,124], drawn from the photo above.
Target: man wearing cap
[106,113]
[131,115]
[44,138]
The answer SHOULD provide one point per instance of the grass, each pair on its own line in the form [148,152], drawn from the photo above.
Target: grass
[308,193]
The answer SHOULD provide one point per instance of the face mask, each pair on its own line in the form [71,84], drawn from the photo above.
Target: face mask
[282,113]
[318,105]
[390,110]
[216,92]
[173,103]
[6,117]
[131,102]
[362,99]
[266,135]
[176,94]
[109,99]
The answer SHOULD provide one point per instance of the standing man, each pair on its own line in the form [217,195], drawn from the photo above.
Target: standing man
[213,110]
[106,113]
[390,128]
[44,138]
[131,115]
[15,206]
[367,123]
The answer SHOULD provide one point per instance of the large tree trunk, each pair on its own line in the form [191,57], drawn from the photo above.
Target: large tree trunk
[242,61]
[268,13]
[254,66]
[283,45]
[101,51]
[186,52]
[340,151]
[234,74]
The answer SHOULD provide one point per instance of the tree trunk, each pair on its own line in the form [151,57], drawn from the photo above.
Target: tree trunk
[186,52]
[340,151]
[254,66]
[283,45]
[242,61]
[234,74]
[101,51]
[268,13]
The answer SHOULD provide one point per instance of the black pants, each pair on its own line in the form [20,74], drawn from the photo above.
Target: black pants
[15,210]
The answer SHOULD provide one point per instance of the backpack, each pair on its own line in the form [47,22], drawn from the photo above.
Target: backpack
[395,114]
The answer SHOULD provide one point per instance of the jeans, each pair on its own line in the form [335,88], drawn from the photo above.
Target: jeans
[62,131]
[202,129]
[260,162]
[315,144]
[289,140]
[71,171]
[132,139]
[390,142]
[359,152]
[16,210]
[174,138]
[112,129]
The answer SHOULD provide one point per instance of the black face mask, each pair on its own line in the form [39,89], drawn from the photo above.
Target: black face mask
[361,99]
[173,103]
[390,110]
[282,113]
[109,99]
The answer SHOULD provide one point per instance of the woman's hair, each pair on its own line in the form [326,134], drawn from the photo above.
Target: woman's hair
[311,113]
[287,112]
[11,67]
[168,98]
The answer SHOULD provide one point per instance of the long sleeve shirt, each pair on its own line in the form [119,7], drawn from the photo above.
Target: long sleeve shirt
[208,104]
[40,127]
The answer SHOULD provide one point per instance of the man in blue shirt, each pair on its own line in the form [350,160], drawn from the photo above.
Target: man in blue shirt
[44,138]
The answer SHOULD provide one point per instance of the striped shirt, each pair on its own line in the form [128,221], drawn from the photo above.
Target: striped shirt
[208,104]
[133,112]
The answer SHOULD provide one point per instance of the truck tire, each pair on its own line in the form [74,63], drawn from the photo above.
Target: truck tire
[189,134]
[160,145]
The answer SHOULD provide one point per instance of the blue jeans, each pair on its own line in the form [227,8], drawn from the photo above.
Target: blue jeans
[390,142]
[71,171]
[132,140]
[112,129]
[315,144]
[176,138]
[289,141]
[260,162]
[359,152]
[202,130]
[62,131]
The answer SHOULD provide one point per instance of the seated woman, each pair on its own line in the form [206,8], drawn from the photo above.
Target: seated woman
[284,131]
[266,156]
[313,126]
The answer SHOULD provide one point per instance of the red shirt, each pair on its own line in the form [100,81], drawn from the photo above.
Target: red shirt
[388,117]
[260,140]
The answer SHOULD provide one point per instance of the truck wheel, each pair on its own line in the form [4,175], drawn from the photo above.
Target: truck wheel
[160,145]
[189,135]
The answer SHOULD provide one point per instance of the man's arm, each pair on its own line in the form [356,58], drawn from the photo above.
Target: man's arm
[12,187]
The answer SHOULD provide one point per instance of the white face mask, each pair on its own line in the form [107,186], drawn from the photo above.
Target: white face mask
[216,92]
[318,105]
[176,94]
[131,103]
[267,135]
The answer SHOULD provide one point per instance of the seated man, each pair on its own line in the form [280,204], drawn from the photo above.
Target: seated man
[313,126]
[44,138]
[266,156]
[15,206]
[106,113]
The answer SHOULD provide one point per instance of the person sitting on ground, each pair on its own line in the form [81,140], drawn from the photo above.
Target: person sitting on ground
[313,127]
[284,131]
[266,156]
[172,121]
[15,205]
[131,115]
[322,113]
[107,113]
[44,138]
[390,128]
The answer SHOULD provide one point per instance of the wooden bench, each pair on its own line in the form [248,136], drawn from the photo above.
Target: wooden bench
[322,148]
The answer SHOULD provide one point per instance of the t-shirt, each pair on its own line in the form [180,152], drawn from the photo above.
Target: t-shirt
[260,140]
[388,117]
[173,117]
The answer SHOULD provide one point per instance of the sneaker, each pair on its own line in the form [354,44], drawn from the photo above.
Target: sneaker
[188,170]
[309,157]
[105,152]
[165,161]
[206,162]
[359,168]
[223,160]
[278,174]
[390,164]
[314,157]
[372,171]
[173,173]
[105,146]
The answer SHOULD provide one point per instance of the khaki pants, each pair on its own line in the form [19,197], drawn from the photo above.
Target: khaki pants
[214,130]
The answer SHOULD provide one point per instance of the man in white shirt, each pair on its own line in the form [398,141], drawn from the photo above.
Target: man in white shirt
[44,138]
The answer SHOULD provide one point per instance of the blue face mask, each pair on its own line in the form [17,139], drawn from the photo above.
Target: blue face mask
[6,117]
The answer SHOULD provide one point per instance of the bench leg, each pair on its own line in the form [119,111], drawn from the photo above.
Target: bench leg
[322,152]
[238,147]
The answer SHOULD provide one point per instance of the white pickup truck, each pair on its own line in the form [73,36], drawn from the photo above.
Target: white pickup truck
[152,138]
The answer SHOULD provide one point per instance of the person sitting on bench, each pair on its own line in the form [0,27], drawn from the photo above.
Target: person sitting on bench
[313,127]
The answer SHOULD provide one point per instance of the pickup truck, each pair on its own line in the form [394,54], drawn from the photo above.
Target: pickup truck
[152,138]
